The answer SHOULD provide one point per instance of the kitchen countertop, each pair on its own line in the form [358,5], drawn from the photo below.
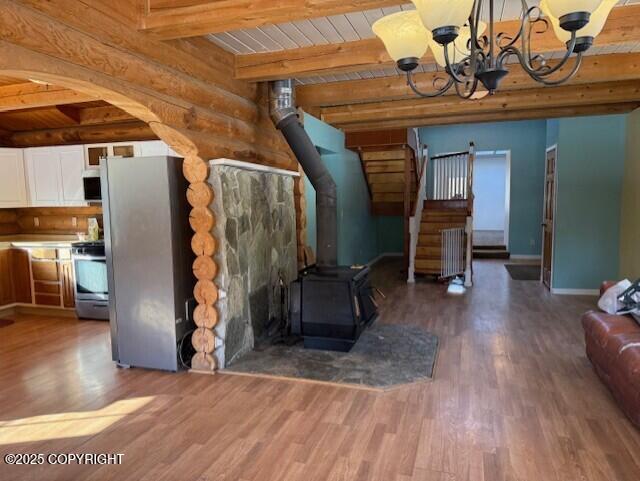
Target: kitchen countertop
[37,240]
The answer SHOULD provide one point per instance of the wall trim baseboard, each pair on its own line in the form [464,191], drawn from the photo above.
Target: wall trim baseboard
[382,256]
[525,257]
[575,292]
[23,308]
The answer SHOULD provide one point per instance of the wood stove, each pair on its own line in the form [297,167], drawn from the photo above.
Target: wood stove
[330,307]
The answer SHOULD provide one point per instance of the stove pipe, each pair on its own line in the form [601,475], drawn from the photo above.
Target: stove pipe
[284,115]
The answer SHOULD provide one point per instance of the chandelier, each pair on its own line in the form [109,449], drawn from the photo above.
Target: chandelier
[455,33]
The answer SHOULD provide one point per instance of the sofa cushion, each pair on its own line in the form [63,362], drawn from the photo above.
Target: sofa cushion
[600,326]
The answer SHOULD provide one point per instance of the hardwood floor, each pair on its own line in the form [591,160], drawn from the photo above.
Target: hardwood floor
[513,398]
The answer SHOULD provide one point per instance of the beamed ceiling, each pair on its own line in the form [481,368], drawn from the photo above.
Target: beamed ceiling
[344,74]
[346,78]
[36,114]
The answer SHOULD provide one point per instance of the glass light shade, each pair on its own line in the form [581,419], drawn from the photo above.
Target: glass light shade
[559,8]
[403,35]
[592,29]
[443,13]
[458,49]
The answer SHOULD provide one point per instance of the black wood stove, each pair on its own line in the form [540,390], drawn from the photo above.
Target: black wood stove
[331,307]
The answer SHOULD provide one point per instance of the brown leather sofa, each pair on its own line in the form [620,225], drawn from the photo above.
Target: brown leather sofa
[613,346]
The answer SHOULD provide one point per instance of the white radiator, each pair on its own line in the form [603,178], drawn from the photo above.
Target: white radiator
[452,262]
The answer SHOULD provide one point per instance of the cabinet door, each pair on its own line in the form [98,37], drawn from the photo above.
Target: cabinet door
[68,284]
[43,173]
[13,186]
[71,168]
[123,149]
[21,275]
[6,285]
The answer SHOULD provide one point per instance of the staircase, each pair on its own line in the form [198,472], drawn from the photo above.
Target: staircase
[388,161]
[437,216]
[442,246]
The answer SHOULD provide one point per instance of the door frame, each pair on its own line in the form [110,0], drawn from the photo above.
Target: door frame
[553,227]
[507,186]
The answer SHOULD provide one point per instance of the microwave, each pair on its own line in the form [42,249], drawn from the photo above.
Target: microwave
[91,185]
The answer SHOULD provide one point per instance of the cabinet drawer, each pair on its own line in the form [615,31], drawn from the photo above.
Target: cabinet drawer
[47,300]
[45,271]
[46,287]
[41,253]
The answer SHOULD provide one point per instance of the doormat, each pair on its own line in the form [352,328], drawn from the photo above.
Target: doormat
[386,356]
[5,322]
[523,272]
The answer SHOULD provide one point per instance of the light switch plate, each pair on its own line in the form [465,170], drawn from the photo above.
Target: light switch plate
[36,222]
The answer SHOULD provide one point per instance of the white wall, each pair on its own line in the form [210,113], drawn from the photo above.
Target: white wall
[489,187]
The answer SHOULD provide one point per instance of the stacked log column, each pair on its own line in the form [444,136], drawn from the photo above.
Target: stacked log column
[203,244]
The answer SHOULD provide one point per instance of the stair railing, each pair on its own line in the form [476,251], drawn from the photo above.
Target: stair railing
[416,219]
[468,272]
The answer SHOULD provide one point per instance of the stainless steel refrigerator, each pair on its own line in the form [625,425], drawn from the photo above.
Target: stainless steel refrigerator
[149,259]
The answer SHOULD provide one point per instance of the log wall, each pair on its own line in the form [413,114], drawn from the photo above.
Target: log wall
[183,89]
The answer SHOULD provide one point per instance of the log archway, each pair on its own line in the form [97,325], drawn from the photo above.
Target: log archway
[162,118]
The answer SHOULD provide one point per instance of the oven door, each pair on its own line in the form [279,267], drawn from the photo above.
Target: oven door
[91,278]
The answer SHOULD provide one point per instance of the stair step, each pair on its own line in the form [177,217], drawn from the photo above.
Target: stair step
[432,264]
[446,204]
[489,248]
[491,254]
[384,155]
[427,240]
[437,227]
[455,219]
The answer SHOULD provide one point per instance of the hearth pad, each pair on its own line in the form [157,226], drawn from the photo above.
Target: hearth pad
[386,356]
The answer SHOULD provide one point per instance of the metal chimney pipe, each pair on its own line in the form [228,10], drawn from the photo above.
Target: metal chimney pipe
[285,117]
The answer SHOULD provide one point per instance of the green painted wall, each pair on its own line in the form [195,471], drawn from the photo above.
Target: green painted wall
[590,164]
[357,228]
[630,221]
[390,234]
[526,140]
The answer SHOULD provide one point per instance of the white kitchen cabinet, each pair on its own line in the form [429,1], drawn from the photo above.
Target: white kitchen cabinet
[54,175]
[71,169]
[13,185]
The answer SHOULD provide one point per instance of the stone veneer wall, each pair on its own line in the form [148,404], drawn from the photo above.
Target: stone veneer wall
[256,227]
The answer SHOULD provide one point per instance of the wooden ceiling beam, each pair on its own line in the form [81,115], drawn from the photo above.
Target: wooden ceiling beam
[417,110]
[191,19]
[103,115]
[623,26]
[31,95]
[529,114]
[127,131]
[594,69]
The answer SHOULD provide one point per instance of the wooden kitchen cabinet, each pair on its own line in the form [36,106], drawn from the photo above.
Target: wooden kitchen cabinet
[21,276]
[6,284]
[15,278]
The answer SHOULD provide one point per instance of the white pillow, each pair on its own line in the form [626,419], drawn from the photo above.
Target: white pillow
[609,300]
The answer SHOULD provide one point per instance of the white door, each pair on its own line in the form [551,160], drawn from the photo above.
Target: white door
[43,174]
[13,186]
[71,168]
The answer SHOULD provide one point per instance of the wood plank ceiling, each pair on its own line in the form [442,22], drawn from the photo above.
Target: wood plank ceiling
[346,78]
[36,114]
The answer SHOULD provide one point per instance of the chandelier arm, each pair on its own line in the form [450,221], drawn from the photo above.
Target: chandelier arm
[526,59]
[541,78]
[451,69]
[470,93]
[524,16]
[437,93]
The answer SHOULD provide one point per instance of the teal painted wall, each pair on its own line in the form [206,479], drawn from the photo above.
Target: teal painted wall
[630,221]
[590,166]
[526,140]
[390,234]
[357,228]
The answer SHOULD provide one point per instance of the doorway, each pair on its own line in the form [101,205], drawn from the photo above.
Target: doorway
[491,189]
[548,216]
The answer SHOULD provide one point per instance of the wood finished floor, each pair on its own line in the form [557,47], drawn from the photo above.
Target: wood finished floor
[513,398]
